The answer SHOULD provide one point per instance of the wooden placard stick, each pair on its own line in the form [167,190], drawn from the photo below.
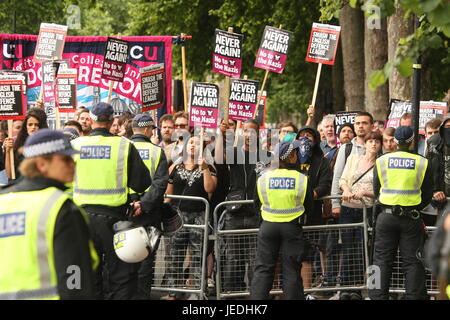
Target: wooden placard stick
[316,86]
[202,133]
[11,151]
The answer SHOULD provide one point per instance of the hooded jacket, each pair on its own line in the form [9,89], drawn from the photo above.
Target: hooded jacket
[319,175]
[435,156]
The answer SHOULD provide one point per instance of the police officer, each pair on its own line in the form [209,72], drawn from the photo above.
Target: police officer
[155,160]
[285,197]
[402,184]
[106,168]
[46,251]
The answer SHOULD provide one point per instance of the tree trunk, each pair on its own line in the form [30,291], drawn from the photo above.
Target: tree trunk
[352,36]
[337,78]
[399,87]
[376,55]
[425,77]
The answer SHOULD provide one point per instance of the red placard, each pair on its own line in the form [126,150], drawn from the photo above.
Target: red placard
[323,43]
[227,59]
[243,98]
[204,109]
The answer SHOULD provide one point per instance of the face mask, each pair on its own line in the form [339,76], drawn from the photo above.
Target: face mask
[305,150]
[446,136]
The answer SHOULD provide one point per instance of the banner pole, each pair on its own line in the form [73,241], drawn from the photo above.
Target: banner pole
[227,91]
[316,86]
[11,151]
[261,92]
[183,64]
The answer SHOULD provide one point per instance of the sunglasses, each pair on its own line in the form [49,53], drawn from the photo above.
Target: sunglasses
[180,126]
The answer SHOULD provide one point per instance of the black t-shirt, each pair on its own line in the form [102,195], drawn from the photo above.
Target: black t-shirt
[446,150]
[189,183]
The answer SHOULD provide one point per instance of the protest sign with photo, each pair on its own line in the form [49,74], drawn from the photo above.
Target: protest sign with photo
[343,117]
[204,108]
[12,97]
[66,90]
[323,43]
[243,97]
[227,54]
[428,110]
[261,111]
[86,55]
[273,50]
[115,59]
[50,42]
[49,70]
[152,87]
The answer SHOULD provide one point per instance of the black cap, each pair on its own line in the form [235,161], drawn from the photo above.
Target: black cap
[284,149]
[142,121]
[102,109]
[47,141]
[403,135]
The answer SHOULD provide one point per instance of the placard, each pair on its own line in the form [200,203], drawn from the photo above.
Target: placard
[204,110]
[115,59]
[50,43]
[66,90]
[428,110]
[273,50]
[12,97]
[343,117]
[243,97]
[152,87]
[323,43]
[227,54]
[49,70]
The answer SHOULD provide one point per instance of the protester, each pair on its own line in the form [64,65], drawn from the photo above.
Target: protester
[115,127]
[110,165]
[328,130]
[74,125]
[85,121]
[378,125]
[363,126]
[167,127]
[32,123]
[431,128]
[406,120]
[286,127]
[124,123]
[38,264]
[181,134]
[315,166]
[191,177]
[438,153]
[281,232]
[388,140]
[356,184]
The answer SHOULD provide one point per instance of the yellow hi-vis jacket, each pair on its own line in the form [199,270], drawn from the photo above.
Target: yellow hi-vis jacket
[401,175]
[101,175]
[27,225]
[151,155]
[282,194]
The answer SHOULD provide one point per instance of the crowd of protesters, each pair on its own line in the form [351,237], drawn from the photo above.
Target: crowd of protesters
[228,169]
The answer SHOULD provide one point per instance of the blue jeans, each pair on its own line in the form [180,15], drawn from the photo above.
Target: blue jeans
[352,271]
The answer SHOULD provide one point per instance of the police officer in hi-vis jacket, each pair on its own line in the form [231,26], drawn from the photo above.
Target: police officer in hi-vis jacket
[401,183]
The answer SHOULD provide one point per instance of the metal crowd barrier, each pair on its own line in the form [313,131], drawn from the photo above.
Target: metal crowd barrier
[398,279]
[184,261]
[244,245]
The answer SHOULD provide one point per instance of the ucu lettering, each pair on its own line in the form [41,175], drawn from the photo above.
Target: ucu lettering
[95,152]
[281,183]
[401,163]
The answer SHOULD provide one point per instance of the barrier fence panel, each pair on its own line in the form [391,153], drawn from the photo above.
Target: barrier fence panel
[398,279]
[180,262]
[344,257]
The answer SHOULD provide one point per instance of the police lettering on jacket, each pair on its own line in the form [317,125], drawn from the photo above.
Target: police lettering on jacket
[12,224]
[95,152]
[401,163]
[281,183]
[144,153]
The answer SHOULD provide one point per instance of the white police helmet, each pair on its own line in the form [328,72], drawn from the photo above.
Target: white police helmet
[131,243]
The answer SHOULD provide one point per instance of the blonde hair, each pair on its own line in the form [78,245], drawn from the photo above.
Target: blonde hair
[28,166]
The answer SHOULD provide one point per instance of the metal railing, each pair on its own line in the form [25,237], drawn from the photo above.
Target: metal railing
[198,289]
